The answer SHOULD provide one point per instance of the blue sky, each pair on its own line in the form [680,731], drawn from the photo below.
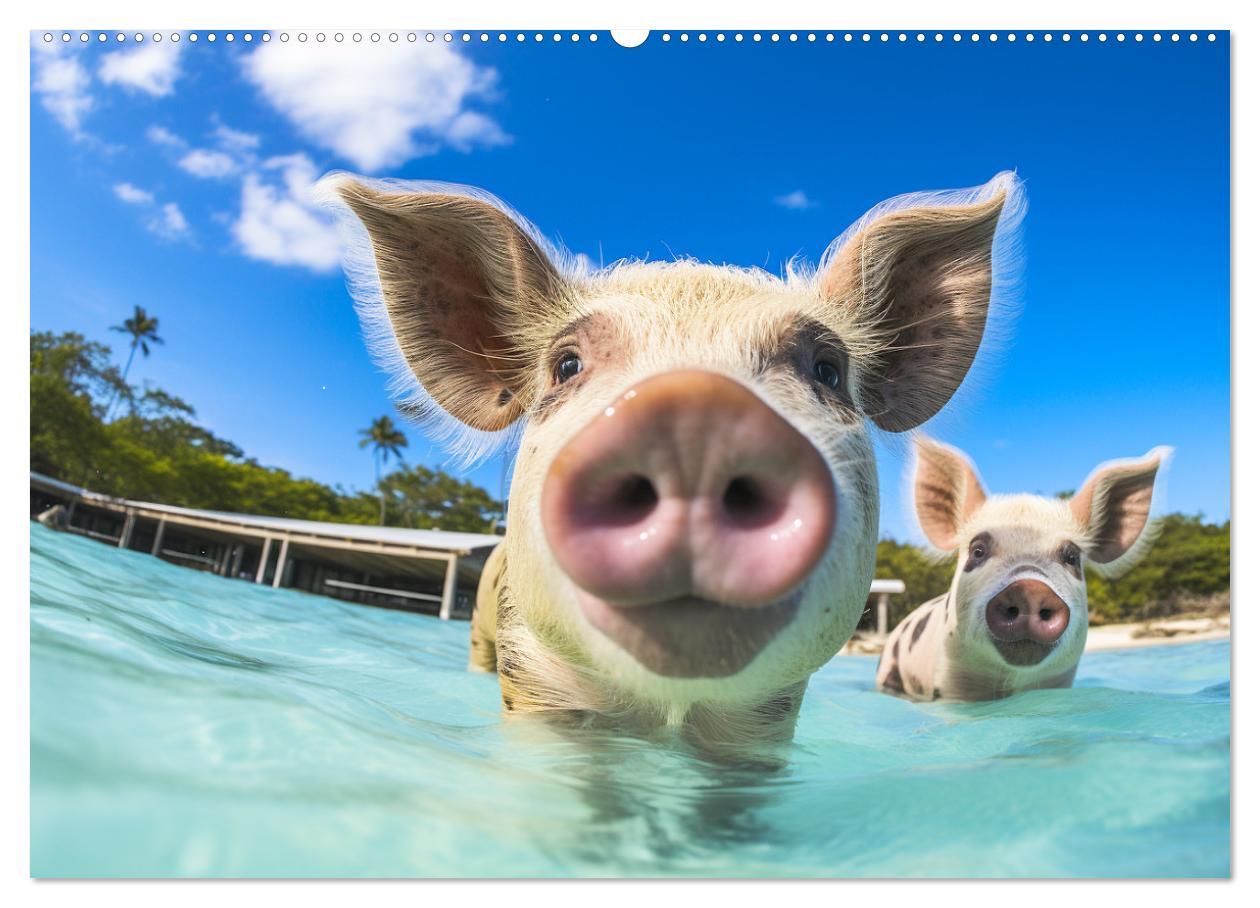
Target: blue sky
[175,177]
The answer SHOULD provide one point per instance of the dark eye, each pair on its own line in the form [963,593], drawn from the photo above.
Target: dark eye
[977,552]
[827,373]
[568,366]
[1071,555]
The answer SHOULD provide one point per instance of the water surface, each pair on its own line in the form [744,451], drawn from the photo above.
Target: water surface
[185,724]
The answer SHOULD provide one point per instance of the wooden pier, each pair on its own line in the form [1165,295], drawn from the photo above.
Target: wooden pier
[418,570]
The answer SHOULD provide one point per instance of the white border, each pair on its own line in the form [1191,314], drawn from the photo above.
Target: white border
[583,14]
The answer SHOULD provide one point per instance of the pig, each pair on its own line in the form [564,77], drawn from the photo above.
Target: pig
[693,505]
[1015,617]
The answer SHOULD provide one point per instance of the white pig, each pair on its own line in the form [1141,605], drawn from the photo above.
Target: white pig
[1016,616]
[694,503]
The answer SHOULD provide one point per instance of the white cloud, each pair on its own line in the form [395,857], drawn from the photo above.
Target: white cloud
[169,222]
[133,195]
[160,135]
[207,164]
[62,82]
[280,221]
[163,219]
[796,200]
[378,105]
[235,140]
[151,68]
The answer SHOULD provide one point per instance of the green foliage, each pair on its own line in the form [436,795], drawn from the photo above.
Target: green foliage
[430,499]
[156,452]
[925,575]
[387,440]
[1188,564]
[143,330]
[1189,561]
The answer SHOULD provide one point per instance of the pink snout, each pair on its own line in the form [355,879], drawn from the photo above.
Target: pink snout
[688,488]
[1027,610]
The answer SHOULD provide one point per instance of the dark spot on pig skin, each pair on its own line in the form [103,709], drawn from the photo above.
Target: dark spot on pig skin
[893,682]
[936,693]
[505,397]
[507,703]
[919,628]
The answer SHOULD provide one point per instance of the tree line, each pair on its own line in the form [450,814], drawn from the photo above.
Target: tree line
[93,428]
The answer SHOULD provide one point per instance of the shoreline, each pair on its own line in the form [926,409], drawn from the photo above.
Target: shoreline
[1160,632]
[1106,637]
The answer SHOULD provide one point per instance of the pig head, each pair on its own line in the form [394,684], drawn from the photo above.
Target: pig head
[1016,615]
[693,509]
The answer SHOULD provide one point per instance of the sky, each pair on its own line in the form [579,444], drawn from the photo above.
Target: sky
[176,176]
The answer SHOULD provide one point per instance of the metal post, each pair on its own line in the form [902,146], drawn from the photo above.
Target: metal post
[448,586]
[280,562]
[129,522]
[262,561]
[157,537]
[882,613]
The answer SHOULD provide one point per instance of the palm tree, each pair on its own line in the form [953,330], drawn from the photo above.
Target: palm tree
[386,440]
[143,330]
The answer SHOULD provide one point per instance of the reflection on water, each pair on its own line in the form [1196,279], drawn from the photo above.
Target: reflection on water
[183,724]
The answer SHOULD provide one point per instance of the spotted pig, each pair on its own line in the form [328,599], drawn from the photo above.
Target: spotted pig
[1015,616]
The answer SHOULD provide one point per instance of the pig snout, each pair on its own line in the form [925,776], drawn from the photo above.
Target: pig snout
[1027,610]
[688,487]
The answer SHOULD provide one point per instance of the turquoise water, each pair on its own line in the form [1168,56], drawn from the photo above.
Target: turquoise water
[184,724]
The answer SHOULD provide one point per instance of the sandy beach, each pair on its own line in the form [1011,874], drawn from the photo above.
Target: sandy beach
[1158,632]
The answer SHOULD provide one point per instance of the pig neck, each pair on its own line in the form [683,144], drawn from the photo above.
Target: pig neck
[962,672]
[535,680]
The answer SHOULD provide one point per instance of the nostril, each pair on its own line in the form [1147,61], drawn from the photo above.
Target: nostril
[1045,614]
[741,496]
[1011,612]
[633,498]
[748,503]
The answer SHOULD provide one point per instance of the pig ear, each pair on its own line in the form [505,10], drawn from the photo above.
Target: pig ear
[947,491]
[446,283]
[920,270]
[1114,508]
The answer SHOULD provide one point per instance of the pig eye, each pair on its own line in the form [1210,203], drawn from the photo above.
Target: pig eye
[1071,555]
[568,366]
[827,373]
[977,552]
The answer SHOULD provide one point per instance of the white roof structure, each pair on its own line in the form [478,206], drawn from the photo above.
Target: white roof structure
[436,540]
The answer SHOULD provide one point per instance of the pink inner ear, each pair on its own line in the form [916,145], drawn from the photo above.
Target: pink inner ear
[457,276]
[927,271]
[947,493]
[1115,505]
[461,304]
